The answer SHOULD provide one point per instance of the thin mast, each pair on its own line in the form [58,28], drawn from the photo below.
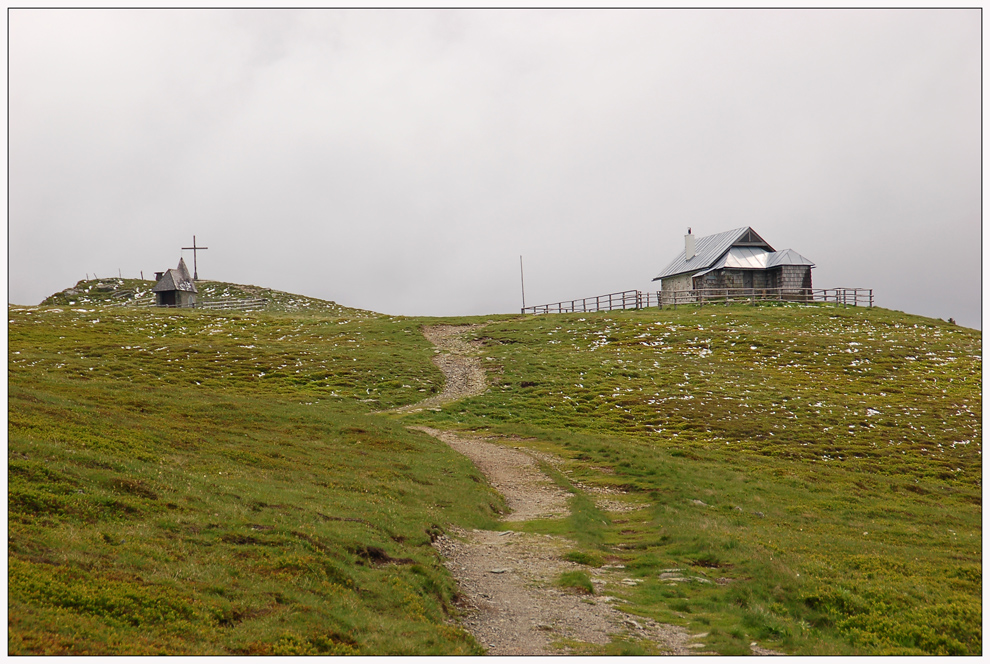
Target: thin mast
[522,285]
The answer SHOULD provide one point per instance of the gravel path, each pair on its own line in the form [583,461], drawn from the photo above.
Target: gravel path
[528,493]
[506,578]
[459,363]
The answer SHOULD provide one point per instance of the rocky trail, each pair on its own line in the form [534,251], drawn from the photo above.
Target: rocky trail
[458,361]
[507,578]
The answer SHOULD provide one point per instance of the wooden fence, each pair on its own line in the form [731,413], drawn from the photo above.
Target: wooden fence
[839,296]
[242,304]
[630,299]
[634,299]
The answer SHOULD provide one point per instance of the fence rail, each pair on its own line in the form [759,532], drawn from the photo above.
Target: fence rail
[243,304]
[630,299]
[634,299]
[840,296]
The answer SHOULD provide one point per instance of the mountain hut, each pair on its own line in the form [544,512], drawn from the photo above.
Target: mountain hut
[737,259]
[175,288]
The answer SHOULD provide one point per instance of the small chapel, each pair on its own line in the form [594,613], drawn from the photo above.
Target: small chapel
[175,288]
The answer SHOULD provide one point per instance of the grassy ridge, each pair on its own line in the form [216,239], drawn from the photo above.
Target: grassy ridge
[165,497]
[116,291]
[194,482]
[379,359]
[820,467]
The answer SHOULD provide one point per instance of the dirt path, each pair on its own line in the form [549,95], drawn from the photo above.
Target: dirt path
[507,578]
[459,363]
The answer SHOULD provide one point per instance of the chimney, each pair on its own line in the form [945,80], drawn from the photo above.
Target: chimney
[158,276]
[689,246]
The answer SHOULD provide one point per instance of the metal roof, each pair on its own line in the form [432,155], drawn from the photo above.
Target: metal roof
[710,249]
[753,258]
[177,279]
[788,257]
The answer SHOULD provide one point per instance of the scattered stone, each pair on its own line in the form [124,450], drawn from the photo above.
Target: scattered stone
[698,502]
[631,582]
[523,613]
[759,514]
[499,570]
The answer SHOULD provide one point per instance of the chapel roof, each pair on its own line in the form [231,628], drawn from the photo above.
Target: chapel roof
[176,279]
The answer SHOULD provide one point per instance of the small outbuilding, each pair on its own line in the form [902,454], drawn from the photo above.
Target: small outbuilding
[175,288]
[736,259]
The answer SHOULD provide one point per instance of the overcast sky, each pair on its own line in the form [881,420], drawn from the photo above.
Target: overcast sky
[402,161]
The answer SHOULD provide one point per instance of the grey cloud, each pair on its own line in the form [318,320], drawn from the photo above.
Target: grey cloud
[402,160]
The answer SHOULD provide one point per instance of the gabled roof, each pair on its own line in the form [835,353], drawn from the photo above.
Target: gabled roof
[753,258]
[711,248]
[177,279]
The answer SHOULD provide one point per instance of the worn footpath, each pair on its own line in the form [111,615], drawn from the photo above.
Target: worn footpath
[506,578]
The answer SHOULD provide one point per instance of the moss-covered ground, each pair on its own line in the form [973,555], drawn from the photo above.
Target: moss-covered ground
[196,482]
[820,466]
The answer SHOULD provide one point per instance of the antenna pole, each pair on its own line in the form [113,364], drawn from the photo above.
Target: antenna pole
[522,285]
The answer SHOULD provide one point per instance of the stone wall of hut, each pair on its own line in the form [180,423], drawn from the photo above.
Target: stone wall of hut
[735,279]
[175,299]
[677,282]
[794,280]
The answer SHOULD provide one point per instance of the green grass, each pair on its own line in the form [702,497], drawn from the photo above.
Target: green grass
[164,498]
[577,581]
[381,360]
[137,292]
[210,483]
[821,467]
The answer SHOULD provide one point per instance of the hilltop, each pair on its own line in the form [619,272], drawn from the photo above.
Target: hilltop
[137,292]
[200,482]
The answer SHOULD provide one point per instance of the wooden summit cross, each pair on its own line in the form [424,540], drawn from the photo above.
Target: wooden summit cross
[194,250]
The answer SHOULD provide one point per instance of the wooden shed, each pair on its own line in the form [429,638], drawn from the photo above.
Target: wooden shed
[735,259]
[175,288]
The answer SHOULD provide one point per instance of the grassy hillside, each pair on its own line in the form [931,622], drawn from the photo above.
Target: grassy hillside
[137,292]
[196,482]
[821,466]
